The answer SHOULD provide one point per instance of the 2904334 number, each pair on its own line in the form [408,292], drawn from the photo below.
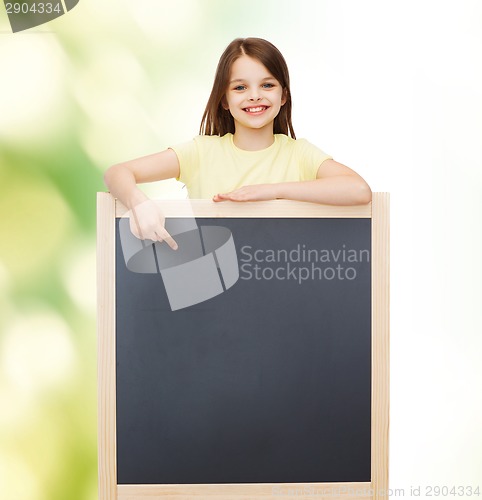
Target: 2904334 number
[455,491]
[34,8]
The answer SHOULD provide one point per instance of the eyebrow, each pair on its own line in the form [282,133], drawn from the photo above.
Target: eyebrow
[243,79]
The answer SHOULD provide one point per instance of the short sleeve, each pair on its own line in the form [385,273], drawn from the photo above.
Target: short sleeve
[310,159]
[188,156]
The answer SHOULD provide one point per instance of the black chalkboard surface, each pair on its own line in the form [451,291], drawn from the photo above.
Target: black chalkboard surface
[267,382]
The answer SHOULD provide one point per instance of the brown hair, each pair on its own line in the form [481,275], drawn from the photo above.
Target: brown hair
[218,121]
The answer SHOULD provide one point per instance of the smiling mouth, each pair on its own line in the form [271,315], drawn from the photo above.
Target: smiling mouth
[257,109]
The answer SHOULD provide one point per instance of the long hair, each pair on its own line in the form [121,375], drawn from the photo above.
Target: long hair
[218,121]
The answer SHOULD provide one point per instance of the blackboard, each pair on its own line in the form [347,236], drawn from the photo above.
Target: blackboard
[267,382]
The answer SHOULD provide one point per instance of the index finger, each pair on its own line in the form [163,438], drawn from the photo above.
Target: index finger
[165,236]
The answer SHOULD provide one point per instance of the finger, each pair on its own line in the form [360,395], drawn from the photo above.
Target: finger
[136,227]
[135,232]
[165,236]
[149,237]
[133,227]
[234,196]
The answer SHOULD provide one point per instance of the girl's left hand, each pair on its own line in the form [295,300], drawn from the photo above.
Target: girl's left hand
[256,192]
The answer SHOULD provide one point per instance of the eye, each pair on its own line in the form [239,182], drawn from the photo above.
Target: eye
[268,85]
[240,87]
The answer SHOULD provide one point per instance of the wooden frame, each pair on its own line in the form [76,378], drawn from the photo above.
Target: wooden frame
[378,210]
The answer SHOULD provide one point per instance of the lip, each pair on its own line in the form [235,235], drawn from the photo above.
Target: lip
[255,113]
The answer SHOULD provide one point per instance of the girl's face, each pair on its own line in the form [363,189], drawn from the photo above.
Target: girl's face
[254,96]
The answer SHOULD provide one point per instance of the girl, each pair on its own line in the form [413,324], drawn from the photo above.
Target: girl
[246,151]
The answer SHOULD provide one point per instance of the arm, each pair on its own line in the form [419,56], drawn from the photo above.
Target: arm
[335,184]
[122,180]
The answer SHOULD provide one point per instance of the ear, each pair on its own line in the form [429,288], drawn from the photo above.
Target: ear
[284,97]
[224,103]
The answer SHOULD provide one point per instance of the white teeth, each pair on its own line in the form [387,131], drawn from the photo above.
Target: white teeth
[255,110]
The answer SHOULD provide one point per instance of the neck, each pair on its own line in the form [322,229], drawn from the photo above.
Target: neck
[253,139]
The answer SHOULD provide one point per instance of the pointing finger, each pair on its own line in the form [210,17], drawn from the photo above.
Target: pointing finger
[165,236]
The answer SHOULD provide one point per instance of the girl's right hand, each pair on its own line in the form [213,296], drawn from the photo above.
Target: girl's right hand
[147,223]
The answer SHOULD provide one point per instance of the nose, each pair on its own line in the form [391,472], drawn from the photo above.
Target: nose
[254,96]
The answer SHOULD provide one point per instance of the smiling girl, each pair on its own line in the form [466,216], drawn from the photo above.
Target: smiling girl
[246,151]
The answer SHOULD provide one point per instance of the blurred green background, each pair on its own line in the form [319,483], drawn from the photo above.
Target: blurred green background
[393,91]
[91,88]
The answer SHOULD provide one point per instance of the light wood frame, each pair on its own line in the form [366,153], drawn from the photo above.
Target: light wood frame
[378,210]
